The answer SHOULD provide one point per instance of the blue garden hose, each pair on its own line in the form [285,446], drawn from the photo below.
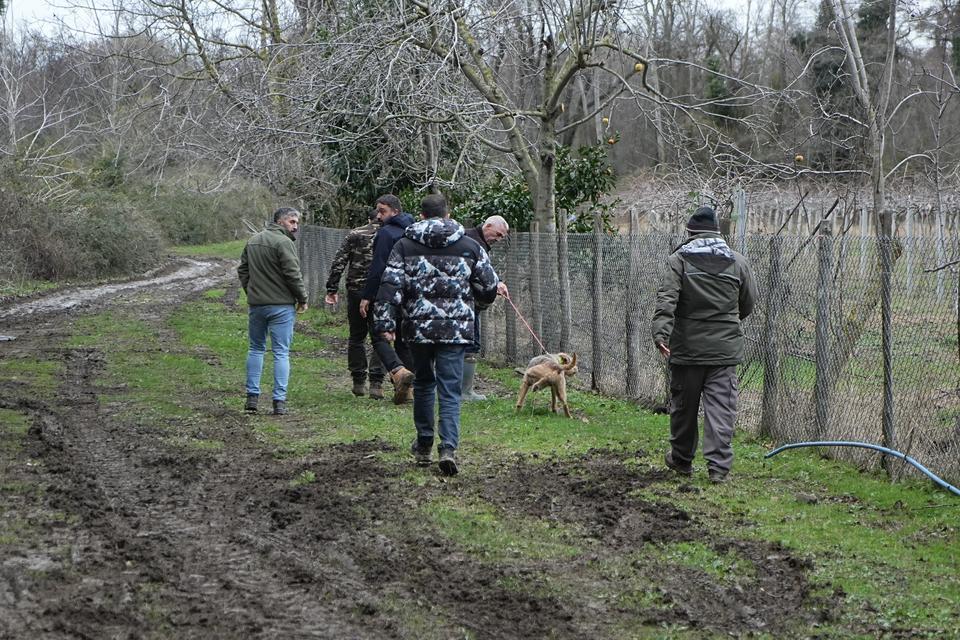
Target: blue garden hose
[863,445]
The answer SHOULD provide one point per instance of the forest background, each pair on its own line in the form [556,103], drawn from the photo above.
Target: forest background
[128,124]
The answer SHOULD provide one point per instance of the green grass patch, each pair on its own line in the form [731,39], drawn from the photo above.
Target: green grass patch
[14,289]
[491,536]
[304,478]
[13,429]
[231,249]
[39,375]
[728,566]
[893,547]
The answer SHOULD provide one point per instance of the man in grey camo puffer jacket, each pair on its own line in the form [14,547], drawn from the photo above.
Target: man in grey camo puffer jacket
[434,277]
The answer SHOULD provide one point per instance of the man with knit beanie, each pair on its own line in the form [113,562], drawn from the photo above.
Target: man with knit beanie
[708,289]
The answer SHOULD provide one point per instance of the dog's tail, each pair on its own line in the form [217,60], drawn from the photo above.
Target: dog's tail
[571,365]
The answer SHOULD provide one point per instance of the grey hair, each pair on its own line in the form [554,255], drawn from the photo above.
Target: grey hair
[498,221]
[285,212]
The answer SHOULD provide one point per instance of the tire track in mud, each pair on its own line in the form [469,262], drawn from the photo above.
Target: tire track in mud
[203,545]
[166,523]
[189,276]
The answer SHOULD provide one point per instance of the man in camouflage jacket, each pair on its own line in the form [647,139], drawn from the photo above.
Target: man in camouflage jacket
[354,256]
[433,280]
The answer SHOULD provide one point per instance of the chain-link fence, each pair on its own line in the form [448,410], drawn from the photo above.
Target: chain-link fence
[814,368]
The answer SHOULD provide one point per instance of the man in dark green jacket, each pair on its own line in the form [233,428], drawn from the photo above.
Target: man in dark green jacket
[707,291]
[270,276]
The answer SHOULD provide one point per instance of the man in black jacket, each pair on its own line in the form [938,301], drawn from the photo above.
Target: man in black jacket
[433,278]
[396,359]
[493,230]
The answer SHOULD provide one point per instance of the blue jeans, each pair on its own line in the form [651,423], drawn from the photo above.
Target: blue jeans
[438,370]
[277,319]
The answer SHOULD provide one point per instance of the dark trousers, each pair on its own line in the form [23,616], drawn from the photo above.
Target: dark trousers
[357,344]
[718,388]
[391,356]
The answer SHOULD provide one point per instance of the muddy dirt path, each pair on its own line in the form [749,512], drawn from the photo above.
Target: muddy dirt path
[126,536]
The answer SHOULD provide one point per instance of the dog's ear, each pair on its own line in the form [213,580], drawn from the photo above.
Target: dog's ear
[572,366]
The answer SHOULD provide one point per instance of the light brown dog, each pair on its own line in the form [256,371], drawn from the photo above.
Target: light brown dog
[549,371]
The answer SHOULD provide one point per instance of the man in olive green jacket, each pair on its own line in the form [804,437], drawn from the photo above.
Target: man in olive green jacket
[270,276]
[707,291]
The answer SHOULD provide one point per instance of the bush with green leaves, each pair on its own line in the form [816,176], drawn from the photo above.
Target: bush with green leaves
[583,181]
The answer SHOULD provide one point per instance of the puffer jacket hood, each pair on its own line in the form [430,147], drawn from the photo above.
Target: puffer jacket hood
[707,251]
[434,278]
[707,290]
[435,233]
[389,232]
[402,220]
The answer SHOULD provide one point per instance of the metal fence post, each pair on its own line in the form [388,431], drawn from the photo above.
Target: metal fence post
[513,280]
[563,275]
[597,303]
[632,308]
[886,330]
[909,240]
[823,382]
[536,273]
[740,204]
[770,411]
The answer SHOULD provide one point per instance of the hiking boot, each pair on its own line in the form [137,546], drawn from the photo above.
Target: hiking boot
[359,388]
[376,391]
[279,407]
[678,468]
[251,405]
[421,454]
[717,476]
[448,461]
[402,381]
[409,397]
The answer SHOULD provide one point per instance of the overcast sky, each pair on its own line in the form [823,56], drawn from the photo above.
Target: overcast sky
[31,11]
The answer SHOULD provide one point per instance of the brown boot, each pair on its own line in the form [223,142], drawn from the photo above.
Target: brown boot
[402,381]
[376,391]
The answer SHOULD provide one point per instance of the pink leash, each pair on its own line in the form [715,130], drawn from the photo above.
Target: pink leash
[526,324]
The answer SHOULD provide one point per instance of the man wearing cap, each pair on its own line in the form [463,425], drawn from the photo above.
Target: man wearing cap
[708,289]
[354,256]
